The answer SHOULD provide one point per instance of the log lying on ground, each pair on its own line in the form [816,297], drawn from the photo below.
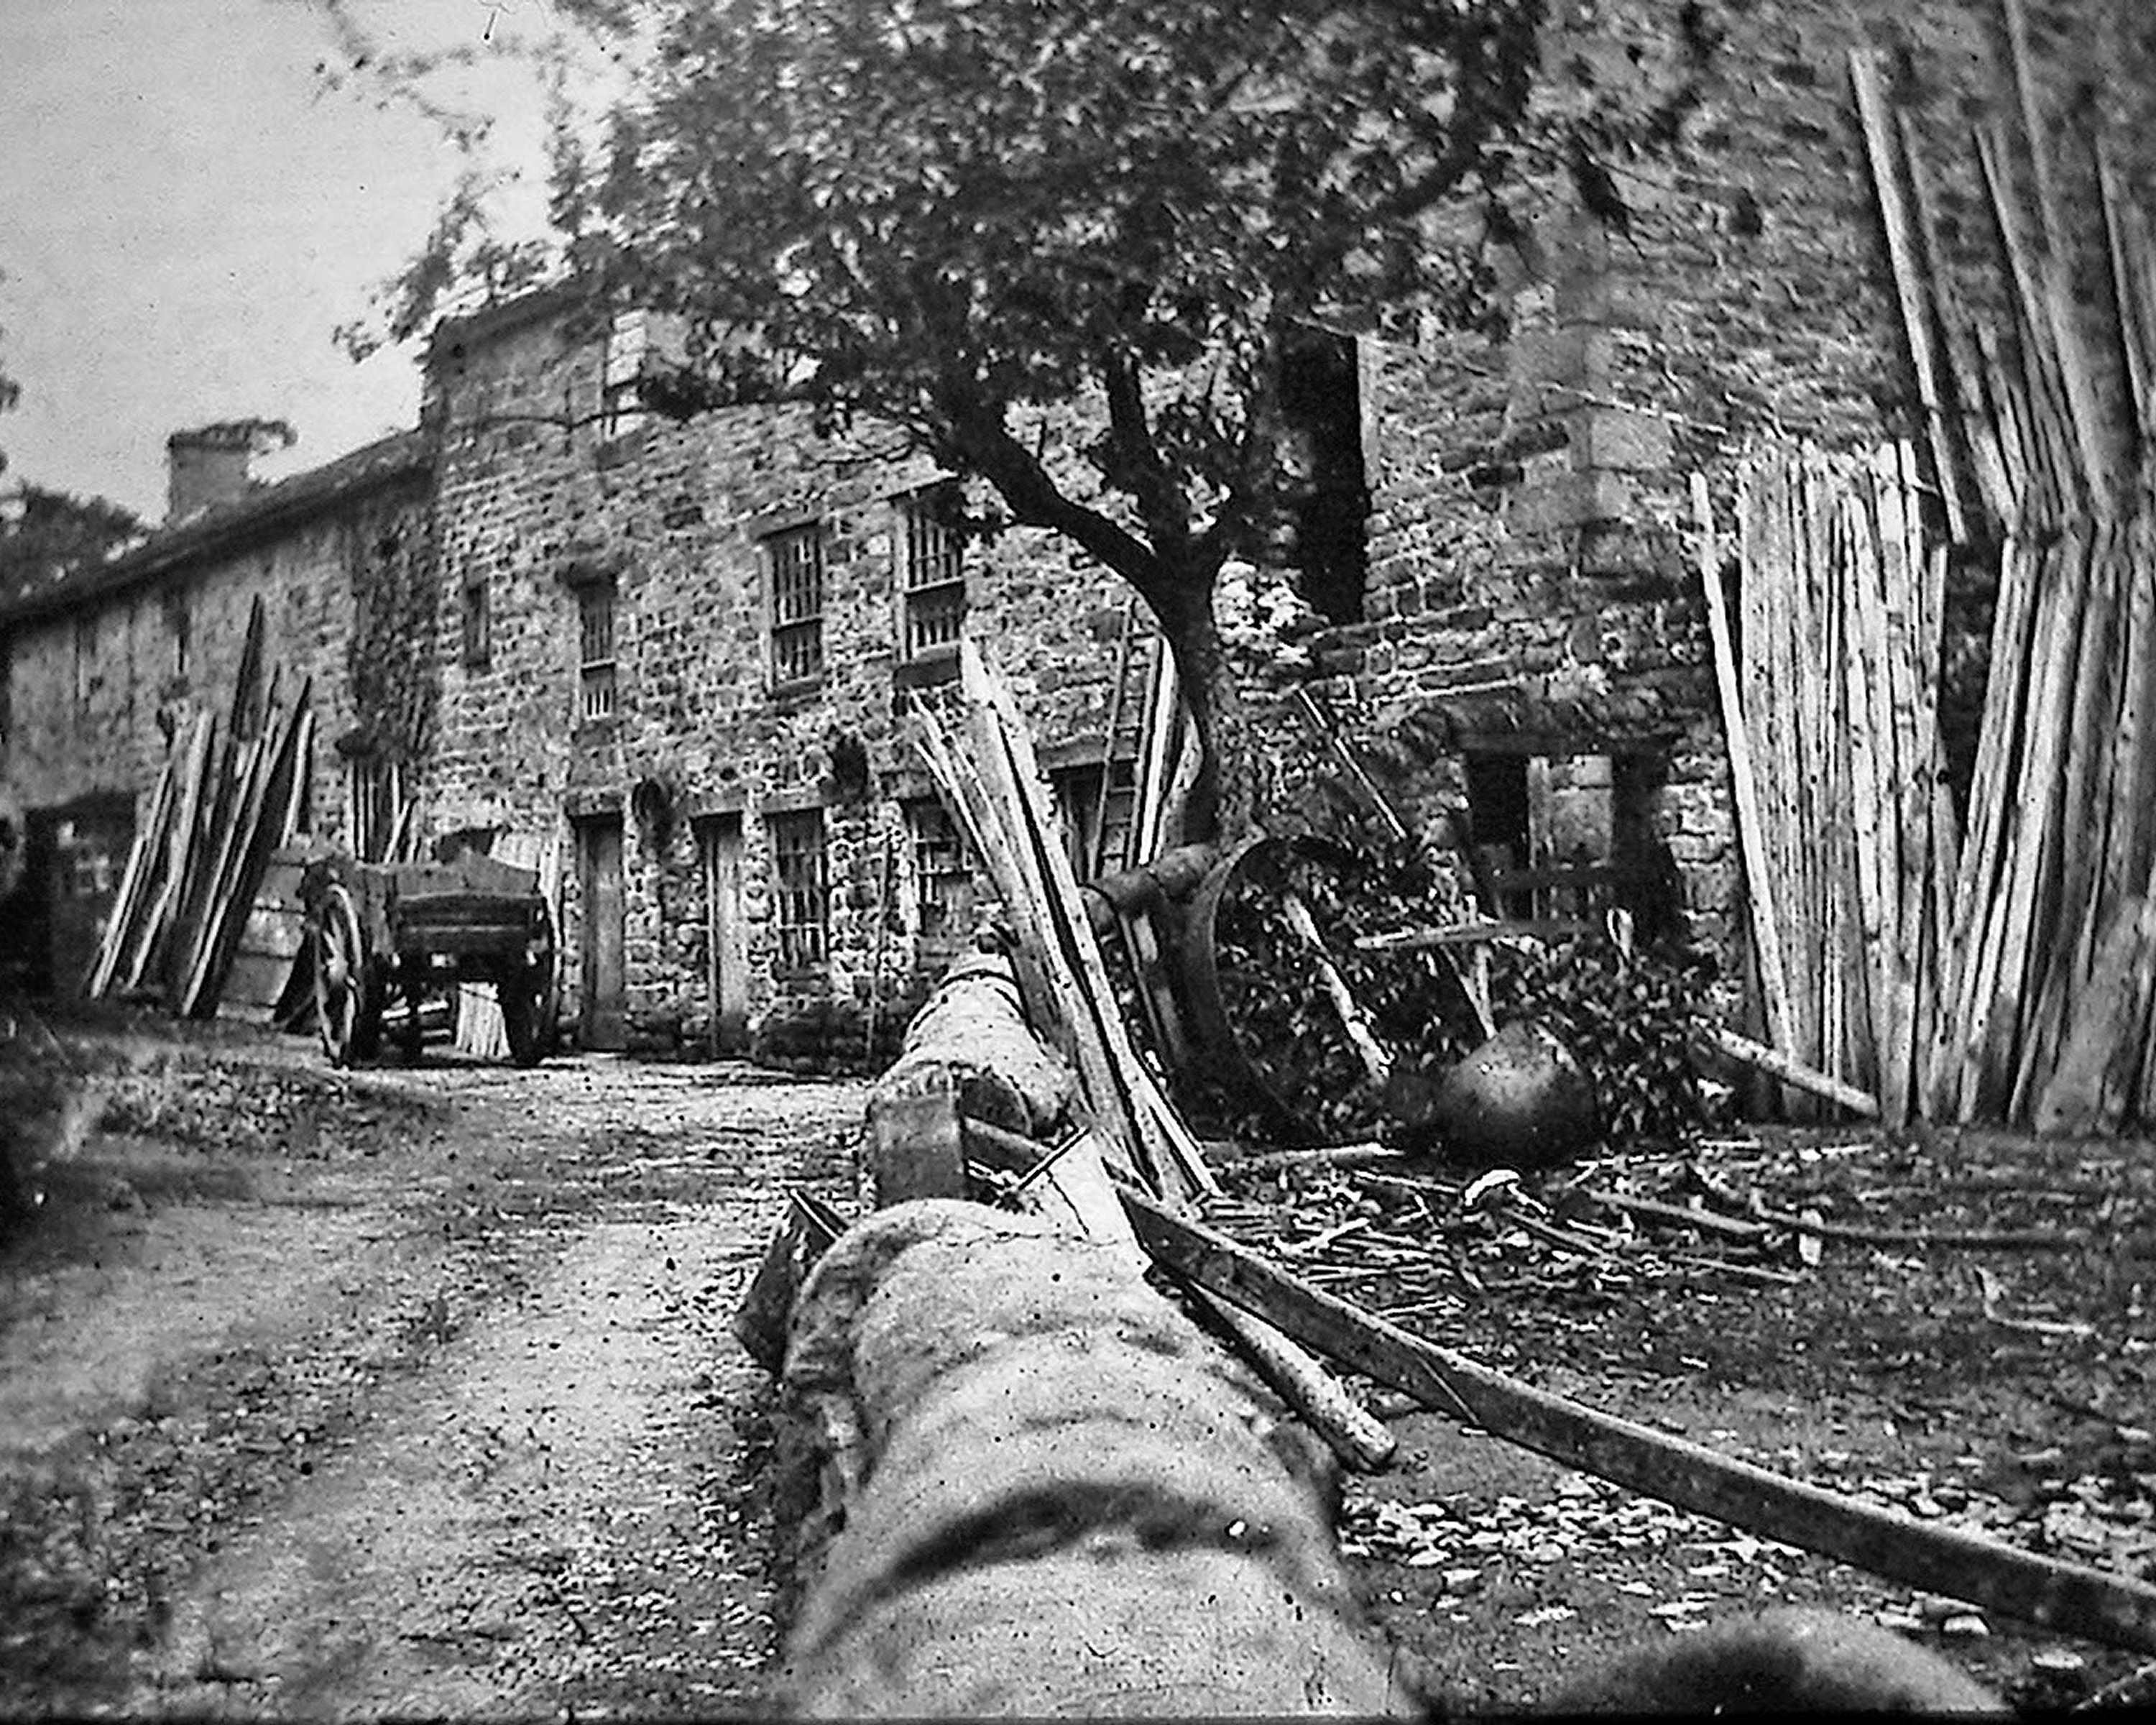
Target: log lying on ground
[1057,1497]
[2068,1598]
[969,1068]
[969,1053]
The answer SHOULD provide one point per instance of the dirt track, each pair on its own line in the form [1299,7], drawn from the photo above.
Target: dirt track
[412,1393]
[419,1399]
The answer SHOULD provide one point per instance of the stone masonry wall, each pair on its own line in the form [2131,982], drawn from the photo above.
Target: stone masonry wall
[1533,561]
[675,516]
[94,691]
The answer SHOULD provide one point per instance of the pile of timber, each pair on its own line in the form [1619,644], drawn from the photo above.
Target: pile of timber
[227,799]
[1030,1038]
[1850,835]
[1998,960]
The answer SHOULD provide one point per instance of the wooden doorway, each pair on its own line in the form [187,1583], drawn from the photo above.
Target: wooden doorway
[601,1019]
[725,931]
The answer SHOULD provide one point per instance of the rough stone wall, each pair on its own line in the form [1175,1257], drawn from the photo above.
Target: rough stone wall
[675,516]
[94,691]
[1530,560]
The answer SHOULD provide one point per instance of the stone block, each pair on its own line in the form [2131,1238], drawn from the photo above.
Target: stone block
[1572,499]
[1621,438]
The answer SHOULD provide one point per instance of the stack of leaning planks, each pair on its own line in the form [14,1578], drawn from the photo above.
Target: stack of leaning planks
[1852,841]
[1998,961]
[229,796]
[991,783]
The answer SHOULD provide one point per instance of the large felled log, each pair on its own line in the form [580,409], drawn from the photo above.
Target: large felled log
[1057,1495]
[969,1053]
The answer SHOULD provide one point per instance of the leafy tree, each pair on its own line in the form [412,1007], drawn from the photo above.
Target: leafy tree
[980,219]
[968,217]
[45,534]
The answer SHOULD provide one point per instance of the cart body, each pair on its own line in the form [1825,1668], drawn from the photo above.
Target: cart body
[383,930]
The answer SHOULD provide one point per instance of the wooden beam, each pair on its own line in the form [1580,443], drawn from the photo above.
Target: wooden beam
[1794,1073]
[1766,936]
[2065,1598]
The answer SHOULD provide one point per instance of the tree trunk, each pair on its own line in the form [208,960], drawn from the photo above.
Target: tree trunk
[1224,802]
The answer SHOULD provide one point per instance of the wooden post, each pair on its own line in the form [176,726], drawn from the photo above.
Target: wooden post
[1766,937]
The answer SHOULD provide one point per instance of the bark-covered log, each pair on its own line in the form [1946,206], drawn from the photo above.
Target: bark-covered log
[1057,1497]
[967,1053]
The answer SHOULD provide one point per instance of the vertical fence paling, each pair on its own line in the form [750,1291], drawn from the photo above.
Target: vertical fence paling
[2003,963]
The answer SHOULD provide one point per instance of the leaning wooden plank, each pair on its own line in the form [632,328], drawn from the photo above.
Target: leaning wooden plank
[147,939]
[2008,922]
[1964,368]
[1912,288]
[207,864]
[1766,937]
[1160,1137]
[2107,1015]
[258,829]
[2027,935]
[1872,775]
[1354,1022]
[1977,879]
[2137,342]
[128,901]
[2090,723]
[1772,1062]
[2062,1597]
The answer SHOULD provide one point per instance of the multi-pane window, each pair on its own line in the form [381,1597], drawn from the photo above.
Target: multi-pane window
[801,883]
[932,572]
[477,642]
[797,603]
[595,668]
[943,883]
[628,346]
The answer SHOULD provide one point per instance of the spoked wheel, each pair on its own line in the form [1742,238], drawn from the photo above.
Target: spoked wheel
[527,994]
[340,1001]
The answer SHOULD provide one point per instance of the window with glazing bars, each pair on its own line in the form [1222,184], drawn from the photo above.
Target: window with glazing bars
[931,571]
[943,883]
[797,603]
[801,888]
[595,676]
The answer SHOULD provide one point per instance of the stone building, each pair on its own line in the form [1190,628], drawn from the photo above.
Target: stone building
[102,666]
[680,656]
[684,652]
[1534,592]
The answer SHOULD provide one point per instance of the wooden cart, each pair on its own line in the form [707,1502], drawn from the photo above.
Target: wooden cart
[379,930]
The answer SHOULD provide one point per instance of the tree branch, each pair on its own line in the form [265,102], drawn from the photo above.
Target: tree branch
[980,436]
[1161,501]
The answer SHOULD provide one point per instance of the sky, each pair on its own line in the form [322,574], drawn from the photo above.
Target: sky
[188,210]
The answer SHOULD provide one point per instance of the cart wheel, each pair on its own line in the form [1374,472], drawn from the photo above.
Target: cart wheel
[526,994]
[341,980]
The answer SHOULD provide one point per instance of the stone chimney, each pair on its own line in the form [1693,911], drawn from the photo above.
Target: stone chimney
[212,465]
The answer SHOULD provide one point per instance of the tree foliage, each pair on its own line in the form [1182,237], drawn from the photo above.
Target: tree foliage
[45,535]
[970,217]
